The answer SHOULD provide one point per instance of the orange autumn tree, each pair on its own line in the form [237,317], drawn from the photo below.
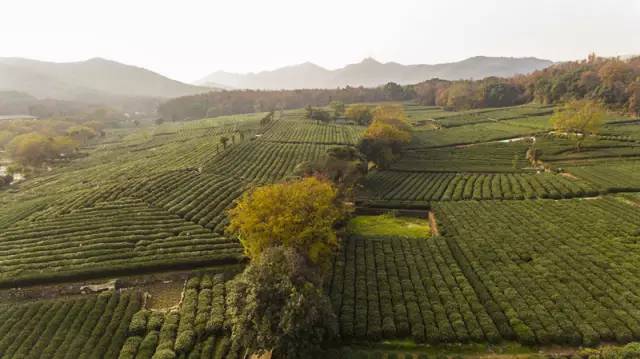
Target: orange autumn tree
[297,214]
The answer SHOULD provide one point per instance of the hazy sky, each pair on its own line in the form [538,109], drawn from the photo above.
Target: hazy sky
[188,39]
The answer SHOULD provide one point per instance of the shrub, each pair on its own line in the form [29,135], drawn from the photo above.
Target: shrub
[155,321]
[164,354]
[130,348]
[148,345]
[138,325]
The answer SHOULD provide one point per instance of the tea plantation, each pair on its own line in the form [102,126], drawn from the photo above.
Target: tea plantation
[524,237]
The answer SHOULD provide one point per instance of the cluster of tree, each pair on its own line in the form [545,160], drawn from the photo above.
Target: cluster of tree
[14,102]
[321,115]
[34,142]
[246,101]
[278,304]
[317,114]
[360,114]
[611,81]
[468,94]
[344,166]
[387,133]
[614,82]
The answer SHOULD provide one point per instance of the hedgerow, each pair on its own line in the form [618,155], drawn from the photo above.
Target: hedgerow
[612,177]
[395,288]
[263,161]
[498,157]
[427,187]
[195,330]
[87,327]
[548,266]
[299,130]
[120,235]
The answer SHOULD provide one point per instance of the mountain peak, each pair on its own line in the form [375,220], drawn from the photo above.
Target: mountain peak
[370,61]
[371,73]
[309,65]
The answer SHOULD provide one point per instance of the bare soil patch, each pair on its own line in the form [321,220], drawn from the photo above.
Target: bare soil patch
[433,224]
[568,175]
[164,288]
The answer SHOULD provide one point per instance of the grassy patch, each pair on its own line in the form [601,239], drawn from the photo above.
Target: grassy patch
[388,225]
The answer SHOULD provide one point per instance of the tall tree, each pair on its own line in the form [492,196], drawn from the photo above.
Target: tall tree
[360,114]
[278,304]
[386,135]
[579,118]
[296,214]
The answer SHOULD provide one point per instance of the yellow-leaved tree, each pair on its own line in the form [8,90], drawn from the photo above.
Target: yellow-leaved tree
[360,114]
[297,214]
[579,118]
[386,135]
[386,132]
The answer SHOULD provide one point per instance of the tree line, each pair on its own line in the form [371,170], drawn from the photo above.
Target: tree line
[612,81]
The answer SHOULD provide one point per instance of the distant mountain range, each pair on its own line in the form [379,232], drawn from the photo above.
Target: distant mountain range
[94,81]
[371,73]
[70,87]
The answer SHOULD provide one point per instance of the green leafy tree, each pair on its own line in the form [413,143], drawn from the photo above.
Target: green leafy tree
[394,92]
[579,118]
[308,112]
[500,94]
[321,116]
[344,166]
[63,145]
[338,108]
[82,134]
[224,140]
[278,304]
[31,149]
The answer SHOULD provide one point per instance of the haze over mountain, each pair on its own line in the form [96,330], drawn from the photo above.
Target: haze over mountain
[94,80]
[370,73]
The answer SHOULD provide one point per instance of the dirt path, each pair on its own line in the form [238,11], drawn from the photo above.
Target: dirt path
[433,224]
[165,288]
[568,175]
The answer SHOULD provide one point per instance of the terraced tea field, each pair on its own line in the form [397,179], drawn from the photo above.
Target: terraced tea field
[560,271]
[393,287]
[299,130]
[468,134]
[194,330]
[108,237]
[532,252]
[489,157]
[428,186]
[88,327]
[264,161]
[613,177]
